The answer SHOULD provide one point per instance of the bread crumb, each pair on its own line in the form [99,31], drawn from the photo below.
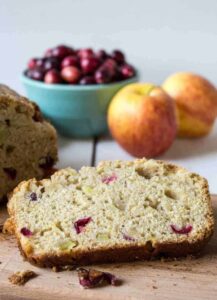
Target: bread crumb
[21,277]
[8,227]
[90,278]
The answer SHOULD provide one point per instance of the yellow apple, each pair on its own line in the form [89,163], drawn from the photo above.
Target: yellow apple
[141,117]
[196,103]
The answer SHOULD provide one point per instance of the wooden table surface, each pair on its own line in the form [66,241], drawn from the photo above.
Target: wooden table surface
[193,279]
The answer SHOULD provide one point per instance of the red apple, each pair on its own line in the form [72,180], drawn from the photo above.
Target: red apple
[142,119]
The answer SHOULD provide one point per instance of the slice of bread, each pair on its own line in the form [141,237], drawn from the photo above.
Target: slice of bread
[28,144]
[118,211]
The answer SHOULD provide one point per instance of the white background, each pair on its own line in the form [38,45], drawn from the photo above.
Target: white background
[159,37]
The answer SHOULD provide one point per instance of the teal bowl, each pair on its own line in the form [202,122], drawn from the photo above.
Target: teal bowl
[75,110]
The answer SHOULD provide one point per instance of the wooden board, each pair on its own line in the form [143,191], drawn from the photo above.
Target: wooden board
[155,280]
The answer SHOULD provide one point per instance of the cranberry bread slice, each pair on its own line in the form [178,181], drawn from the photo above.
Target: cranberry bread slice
[28,144]
[118,211]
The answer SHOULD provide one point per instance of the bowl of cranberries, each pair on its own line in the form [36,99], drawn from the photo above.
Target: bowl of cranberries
[73,87]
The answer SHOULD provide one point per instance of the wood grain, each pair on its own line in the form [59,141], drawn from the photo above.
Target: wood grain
[155,280]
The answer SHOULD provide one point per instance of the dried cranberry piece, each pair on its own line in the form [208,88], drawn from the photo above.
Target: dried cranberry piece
[128,238]
[90,278]
[26,232]
[46,162]
[33,196]
[81,223]
[11,173]
[183,230]
[37,117]
[109,179]
[111,279]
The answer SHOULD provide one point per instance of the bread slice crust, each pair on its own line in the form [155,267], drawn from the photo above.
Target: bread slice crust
[119,252]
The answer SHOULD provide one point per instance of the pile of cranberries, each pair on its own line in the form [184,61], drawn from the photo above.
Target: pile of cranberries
[64,64]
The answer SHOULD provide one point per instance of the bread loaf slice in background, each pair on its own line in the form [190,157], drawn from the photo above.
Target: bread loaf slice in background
[118,211]
[28,144]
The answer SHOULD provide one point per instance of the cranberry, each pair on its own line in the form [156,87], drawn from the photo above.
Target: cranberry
[26,232]
[48,53]
[40,62]
[71,74]
[118,76]
[110,63]
[36,74]
[109,179]
[102,75]
[80,224]
[127,71]
[33,196]
[89,64]
[37,117]
[61,51]
[128,237]
[52,76]
[32,63]
[101,55]
[111,66]
[71,51]
[183,230]
[70,61]
[118,56]
[82,53]
[51,63]
[87,80]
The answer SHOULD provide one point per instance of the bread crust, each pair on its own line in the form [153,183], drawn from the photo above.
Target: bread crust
[120,253]
[9,98]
